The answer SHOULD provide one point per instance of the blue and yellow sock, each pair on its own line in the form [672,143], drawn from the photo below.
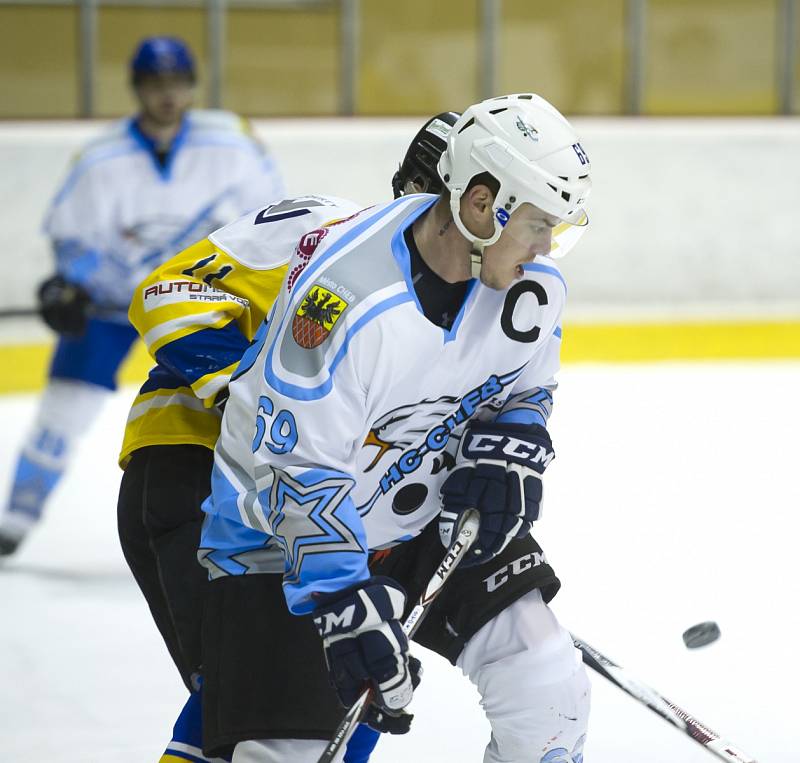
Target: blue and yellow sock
[187,736]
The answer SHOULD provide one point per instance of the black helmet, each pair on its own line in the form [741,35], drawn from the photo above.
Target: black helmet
[419,164]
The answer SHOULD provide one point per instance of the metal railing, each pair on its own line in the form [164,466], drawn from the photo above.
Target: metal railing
[490,20]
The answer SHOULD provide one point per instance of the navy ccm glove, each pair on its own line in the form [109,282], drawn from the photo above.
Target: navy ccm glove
[498,471]
[365,645]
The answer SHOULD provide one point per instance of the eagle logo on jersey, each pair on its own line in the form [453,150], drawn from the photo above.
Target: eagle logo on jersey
[400,427]
[316,317]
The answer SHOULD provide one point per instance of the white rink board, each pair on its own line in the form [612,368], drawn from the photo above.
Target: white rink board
[686,214]
[671,501]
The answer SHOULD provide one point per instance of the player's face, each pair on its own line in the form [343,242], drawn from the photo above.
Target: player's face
[528,233]
[164,98]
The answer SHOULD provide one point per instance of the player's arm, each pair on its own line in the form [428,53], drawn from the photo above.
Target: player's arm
[531,400]
[192,327]
[73,224]
[259,179]
[308,436]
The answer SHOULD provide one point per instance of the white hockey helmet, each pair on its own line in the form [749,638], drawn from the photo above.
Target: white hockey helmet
[528,146]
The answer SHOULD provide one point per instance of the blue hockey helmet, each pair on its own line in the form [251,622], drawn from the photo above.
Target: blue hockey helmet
[162,55]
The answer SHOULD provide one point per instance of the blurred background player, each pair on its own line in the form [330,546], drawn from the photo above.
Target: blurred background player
[147,188]
[198,313]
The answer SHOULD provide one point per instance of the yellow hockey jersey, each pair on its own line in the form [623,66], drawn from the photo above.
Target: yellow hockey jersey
[198,312]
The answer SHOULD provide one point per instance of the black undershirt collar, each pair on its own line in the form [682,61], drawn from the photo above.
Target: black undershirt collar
[440,300]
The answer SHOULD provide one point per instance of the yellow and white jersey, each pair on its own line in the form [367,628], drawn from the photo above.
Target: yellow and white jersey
[198,312]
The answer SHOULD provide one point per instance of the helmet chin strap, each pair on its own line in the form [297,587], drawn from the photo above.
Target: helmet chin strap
[477,245]
[476,259]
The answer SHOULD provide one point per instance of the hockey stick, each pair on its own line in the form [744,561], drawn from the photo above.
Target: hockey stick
[669,711]
[19,312]
[467,533]
[93,310]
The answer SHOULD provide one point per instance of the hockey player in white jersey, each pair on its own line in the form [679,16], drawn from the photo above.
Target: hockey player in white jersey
[400,380]
[147,188]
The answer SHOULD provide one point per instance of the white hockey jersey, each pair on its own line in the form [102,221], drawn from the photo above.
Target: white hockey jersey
[344,414]
[121,212]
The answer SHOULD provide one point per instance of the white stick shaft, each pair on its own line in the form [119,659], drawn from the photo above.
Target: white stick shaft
[669,711]
[467,535]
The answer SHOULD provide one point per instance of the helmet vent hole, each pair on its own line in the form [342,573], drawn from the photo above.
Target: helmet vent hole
[498,111]
[582,177]
[565,179]
[550,185]
[527,97]
[565,195]
[468,124]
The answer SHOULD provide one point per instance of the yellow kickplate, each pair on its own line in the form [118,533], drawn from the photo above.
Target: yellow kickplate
[25,365]
[646,342]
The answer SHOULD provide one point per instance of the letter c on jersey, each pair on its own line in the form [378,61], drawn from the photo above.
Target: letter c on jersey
[507,317]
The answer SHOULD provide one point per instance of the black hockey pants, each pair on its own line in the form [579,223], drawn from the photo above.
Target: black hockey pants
[159,521]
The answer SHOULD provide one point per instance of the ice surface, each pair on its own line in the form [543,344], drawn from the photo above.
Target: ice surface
[673,499]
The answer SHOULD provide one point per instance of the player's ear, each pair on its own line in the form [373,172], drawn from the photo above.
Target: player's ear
[476,210]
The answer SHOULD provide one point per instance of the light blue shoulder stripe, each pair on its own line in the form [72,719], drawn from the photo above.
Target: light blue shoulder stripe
[535,267]
[303,393]
[346,239]
[84,165]
[400,250]
[315,393]
[521,416]
[403,258]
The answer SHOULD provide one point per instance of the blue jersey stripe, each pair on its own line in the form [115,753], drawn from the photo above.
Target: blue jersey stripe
[251,353]
[82,166]
[203,352]
[346,239]
[315,393]
[183,755]
[521,416]
[403,258]
[303,393]
[161,378]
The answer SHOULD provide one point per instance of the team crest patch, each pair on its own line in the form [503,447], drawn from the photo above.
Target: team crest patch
[316,317]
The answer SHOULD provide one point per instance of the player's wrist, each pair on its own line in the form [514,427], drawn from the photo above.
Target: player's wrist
[528,445]
[357,608]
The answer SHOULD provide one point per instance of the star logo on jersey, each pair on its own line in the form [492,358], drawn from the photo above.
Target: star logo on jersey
[303,519]
[316,316]
[529,131]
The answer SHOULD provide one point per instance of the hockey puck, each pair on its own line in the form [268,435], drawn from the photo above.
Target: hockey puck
[701,634]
